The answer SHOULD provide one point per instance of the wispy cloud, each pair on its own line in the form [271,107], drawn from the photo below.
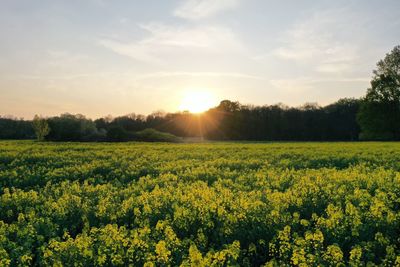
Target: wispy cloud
[305,83]
[319,41]
[164,42]
[136,50]
[292,86]
[198,9]
[303,89]
[138,77]
[200,74]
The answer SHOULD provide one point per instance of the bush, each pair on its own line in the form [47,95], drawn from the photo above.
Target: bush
[151,135]
[117,134]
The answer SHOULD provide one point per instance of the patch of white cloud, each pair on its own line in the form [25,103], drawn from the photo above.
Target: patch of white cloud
[300,85]
[303,84]
[199,9]
[329,41]
[131,76]
[135,50]
[166,42]
[323,91]
[200,74]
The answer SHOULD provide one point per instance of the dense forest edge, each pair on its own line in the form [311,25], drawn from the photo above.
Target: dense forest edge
[376,116]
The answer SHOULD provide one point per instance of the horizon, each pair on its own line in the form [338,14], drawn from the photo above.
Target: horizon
[146,57]
[12,116]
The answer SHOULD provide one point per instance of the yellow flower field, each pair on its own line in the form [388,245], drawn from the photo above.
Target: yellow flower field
[211,204]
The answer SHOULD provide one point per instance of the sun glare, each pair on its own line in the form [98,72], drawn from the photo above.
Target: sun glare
[197,101]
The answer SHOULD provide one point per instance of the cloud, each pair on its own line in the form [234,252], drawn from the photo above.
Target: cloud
[293,86]
[303,84]
[132,76]
[198,9]
[298,91]
[167,43]
[200,74]
[329,41]
[138,51]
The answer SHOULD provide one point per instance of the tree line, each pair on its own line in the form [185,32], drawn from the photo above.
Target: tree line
[375,116]
[228,121]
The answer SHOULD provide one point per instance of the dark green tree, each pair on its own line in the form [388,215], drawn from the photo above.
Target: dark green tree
[69,127]
[379,114]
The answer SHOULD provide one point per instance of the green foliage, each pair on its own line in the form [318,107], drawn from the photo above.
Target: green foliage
[13,128]
[156,136]
[119,134]
[228,121]
[379,114]
[41,127]
[220,204]
[68,127]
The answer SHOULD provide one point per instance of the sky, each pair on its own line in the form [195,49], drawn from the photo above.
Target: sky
[114,57]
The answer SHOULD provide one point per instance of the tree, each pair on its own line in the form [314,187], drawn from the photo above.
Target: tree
[341,119]
[379,115]
[41,127]
[13,128]
[69,127]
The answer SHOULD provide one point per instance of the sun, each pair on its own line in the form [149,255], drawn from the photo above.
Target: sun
[197,101]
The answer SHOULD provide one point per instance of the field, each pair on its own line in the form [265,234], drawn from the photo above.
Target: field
[217,204]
